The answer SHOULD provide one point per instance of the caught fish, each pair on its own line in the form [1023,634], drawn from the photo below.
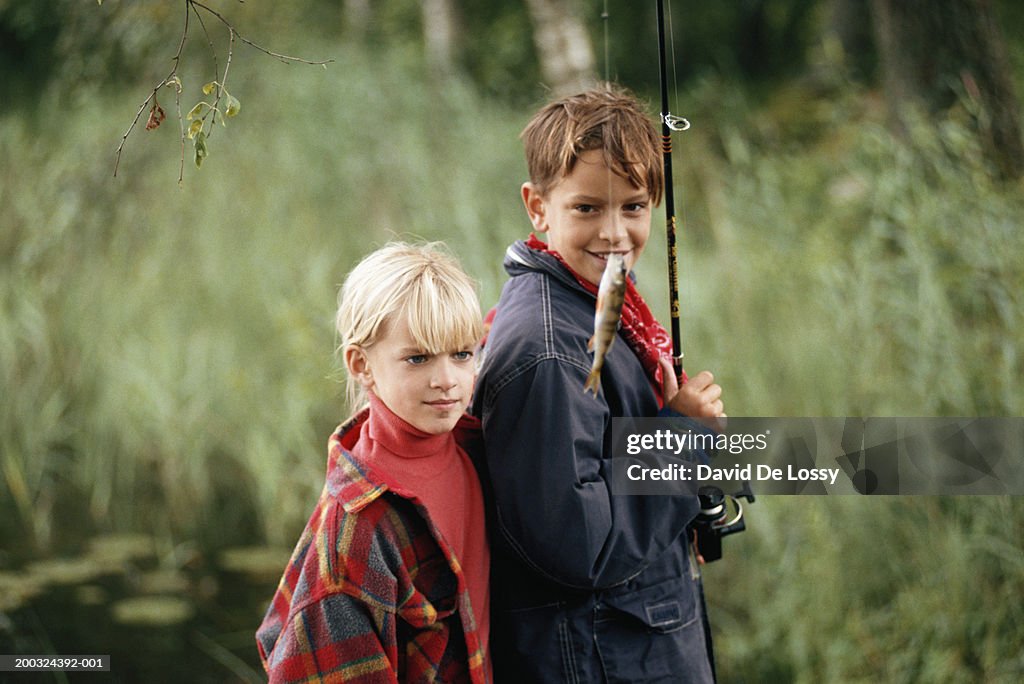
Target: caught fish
[610,296]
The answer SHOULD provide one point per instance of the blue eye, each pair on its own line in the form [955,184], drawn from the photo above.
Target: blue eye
[417,359]
[462,355]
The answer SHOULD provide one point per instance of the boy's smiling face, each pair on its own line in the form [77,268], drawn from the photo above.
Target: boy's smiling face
[590,212]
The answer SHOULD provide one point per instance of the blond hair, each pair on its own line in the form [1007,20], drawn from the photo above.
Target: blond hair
[607,118]
[422,282]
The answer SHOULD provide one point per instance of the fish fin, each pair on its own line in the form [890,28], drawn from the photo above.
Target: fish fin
[593,384]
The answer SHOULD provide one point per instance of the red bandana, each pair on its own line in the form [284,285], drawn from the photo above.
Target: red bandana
[645,336]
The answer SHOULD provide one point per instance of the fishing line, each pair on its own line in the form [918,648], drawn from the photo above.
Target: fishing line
[606,20]
[607,60]
[672,50]
[676,123]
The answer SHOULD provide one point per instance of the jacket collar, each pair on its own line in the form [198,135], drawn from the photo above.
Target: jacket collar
[353,483]
[521,259]
[356,483]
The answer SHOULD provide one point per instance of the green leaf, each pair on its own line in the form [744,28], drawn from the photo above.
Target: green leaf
[194,112]
[201,151]
[233,106]
[209,87]
[194,128]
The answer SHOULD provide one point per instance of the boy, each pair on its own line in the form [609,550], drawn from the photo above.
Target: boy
[389,580]
[588,587]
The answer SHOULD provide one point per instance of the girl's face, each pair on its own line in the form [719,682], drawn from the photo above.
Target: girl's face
[428,391]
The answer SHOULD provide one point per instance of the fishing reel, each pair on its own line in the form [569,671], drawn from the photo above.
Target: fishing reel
[713,522]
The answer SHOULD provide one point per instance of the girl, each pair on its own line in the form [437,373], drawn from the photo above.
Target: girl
[389,580]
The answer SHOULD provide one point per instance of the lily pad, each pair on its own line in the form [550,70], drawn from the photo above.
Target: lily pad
[163,582]
[117,548]
[257,562]
[152,611]
[16,589]
[64,571]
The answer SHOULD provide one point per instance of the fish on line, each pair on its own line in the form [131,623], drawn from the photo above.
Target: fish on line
[611,294]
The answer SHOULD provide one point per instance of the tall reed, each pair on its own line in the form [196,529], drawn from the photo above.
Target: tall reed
[166,353]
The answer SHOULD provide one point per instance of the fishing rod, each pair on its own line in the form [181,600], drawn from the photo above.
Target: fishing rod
[713,522]
[670,123]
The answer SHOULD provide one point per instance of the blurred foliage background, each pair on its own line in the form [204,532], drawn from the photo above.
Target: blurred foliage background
[167,380]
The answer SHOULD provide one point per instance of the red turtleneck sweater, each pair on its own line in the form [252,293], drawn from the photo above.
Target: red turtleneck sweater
[434,470]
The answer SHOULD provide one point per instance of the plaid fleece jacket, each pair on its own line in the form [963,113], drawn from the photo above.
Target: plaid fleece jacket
[369,595]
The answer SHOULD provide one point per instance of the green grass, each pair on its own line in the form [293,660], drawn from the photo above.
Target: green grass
[166,352]
[854,589]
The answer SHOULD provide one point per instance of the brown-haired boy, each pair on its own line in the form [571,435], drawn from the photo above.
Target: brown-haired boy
[586,586]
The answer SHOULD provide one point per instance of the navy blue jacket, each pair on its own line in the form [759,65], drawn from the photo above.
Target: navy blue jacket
[586,586]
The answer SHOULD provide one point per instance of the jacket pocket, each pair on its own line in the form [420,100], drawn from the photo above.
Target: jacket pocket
[653,634]
[534,645]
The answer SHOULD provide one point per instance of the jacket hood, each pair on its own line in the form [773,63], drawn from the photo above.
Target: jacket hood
[520,259]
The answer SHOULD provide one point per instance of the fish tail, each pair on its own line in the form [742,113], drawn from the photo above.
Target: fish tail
[593,383]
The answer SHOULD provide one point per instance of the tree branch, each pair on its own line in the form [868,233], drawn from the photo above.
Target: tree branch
[283,58]
[168,79]
[172,79]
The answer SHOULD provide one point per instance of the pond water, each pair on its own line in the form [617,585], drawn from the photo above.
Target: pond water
[162,614]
